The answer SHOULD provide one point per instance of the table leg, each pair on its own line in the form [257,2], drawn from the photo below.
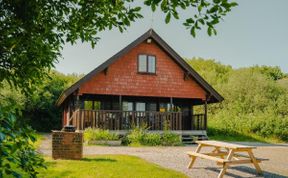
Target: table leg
[254,161]
[193,158]
[218,150]
[225,165]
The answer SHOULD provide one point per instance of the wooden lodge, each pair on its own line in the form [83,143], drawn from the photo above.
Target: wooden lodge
[146,82]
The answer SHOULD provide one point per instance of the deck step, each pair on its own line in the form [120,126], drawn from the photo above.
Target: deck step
[190,139]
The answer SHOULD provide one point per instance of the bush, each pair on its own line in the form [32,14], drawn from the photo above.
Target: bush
[170,139]
[140,136]
[99,134]
[151,139]
[256,100]
[135,137]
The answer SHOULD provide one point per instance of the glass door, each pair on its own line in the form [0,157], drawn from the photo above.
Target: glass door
[140,112]
[127,114]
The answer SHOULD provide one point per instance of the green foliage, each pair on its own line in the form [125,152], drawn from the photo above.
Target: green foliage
[283,82]
[34,32]
[140,136]
[273,73]
[151,139]
[207,13]
[15,146]
[255,102]
[99,134]
[214,72]
[136,136]
[40,110]
[170,139]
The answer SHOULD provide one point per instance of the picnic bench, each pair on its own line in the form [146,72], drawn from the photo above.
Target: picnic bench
[226,154]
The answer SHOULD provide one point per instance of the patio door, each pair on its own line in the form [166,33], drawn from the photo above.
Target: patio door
[186,118]
[127,108]
[140,108]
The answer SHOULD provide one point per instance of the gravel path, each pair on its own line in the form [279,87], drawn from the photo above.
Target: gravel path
[175,158]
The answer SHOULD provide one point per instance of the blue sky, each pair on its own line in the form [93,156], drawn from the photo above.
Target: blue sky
[254,33]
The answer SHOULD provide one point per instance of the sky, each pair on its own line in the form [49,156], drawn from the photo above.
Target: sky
[254,33]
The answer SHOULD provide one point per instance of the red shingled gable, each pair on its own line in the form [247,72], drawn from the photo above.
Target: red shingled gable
[122,78]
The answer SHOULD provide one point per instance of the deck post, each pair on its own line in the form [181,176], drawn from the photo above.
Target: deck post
[68,115]
[78,105]
[171,103]
[205,114]
[120,114]
[192,118]
[120,102]
[93,104]
[171,120]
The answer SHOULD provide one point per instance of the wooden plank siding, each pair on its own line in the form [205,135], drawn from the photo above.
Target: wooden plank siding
[125,120]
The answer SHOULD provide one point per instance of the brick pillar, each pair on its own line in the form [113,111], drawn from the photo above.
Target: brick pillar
[67,145]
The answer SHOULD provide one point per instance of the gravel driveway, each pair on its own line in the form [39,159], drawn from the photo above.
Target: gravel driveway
[176,158]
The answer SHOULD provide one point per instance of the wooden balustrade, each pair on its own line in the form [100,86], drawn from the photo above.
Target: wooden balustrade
[199,122]
[124,120]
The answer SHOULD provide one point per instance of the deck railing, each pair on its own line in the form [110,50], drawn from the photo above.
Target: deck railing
[124,120]
[199,122]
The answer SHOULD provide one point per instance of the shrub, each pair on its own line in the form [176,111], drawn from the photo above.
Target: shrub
[124,140]
[135,137]
[140,136]
[151,139]
[170,139]
[99,134]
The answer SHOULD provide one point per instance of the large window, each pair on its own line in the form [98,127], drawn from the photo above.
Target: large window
[146,64]
[140,106]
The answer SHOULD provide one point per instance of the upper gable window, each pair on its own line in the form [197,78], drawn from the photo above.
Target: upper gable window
[146,64]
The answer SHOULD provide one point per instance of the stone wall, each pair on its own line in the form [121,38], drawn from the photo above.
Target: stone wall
[67,145]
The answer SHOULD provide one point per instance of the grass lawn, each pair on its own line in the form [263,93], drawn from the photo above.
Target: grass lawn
[242,138]
[107,166]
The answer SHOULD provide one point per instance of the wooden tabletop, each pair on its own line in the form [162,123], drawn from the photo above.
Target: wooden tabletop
[224,145]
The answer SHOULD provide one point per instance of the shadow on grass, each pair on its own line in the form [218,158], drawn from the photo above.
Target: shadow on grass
[250,172]
[50,164]
[98,160]
[62,173]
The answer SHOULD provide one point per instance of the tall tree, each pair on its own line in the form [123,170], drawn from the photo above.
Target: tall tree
[33,33]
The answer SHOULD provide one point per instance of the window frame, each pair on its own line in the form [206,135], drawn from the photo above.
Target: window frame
[147,64]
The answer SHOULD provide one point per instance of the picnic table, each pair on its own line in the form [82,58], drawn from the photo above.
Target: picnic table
[225,154]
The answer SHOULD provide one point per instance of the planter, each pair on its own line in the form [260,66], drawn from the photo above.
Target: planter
[105,142]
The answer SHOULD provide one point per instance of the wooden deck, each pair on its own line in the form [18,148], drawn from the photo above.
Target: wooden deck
[125,120]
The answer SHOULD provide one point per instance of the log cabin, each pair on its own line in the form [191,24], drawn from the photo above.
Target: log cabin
[147,83]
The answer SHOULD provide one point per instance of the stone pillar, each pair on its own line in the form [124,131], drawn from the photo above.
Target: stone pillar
[67,145]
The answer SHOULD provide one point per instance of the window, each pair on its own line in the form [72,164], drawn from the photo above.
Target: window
[151,106]
[127,106]
[92,105]
[151,64]
[140,106]
[146,64]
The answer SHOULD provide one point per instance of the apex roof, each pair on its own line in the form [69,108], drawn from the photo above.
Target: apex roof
[214,95]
